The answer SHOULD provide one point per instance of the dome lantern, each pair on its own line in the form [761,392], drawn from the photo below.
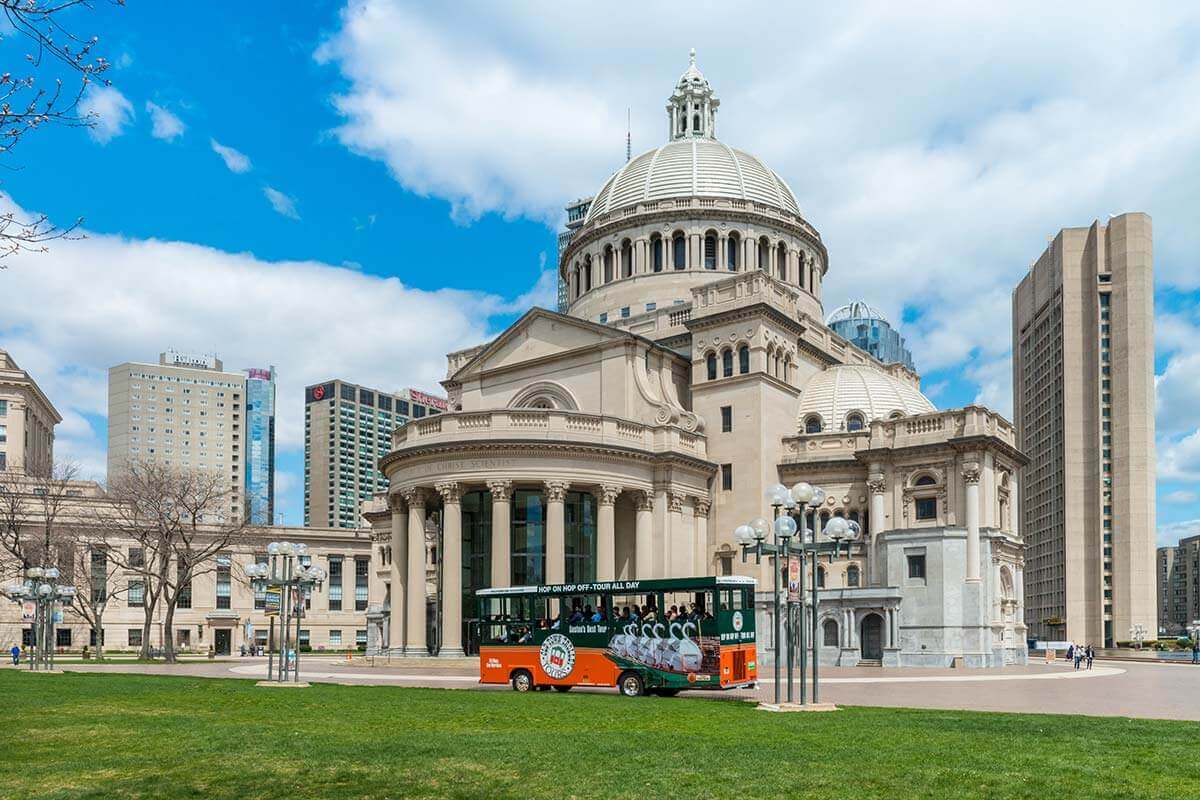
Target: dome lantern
[692,107]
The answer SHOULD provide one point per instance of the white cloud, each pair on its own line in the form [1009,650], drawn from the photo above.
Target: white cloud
[292,314]
[1169,535]
[1180,460]
[165,125]
[1181,496]
[109,111]
[933,187]
[234,160]
[282,203]
[1176,392]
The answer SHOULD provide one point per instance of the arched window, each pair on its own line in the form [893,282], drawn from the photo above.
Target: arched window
[854,421]
[733,247]
[830,633]
[812,424]
[744,359]
[696,123]
[896,415]
[575,284]
[778,363]
[679,248]
[800,267]
[771,360]
[925,480]
[781,255]
[608,264]
[712,366]
[710,250]
[587,274]
[787,370]
[764,255]
[820,577]
[852,576]
[656,252]
[626,259]
[727,363]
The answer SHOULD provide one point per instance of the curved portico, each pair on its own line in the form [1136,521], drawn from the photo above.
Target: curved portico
[539,496]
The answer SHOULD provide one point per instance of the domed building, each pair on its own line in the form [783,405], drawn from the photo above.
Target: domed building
[692,370]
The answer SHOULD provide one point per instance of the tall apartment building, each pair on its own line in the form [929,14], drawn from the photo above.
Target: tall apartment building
[1083,403]
[260,445]
[27,420]
[347,429]
[1178,583]
[186,411]
[576,213]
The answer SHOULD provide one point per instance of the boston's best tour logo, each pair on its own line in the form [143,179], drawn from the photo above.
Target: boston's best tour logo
[557,656]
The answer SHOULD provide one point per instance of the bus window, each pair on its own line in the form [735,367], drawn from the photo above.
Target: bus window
[732,599]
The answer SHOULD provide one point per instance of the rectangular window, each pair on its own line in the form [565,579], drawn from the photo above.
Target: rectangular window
[727,477]
[366,398]
[335,583]
[136,594]
[260,587]
[137,558]
[926,508]
[62,637]
[99,575]
[385,403]
[604,317]
[624,312]
[726,419]
[3,408]
[224,583]
[335,637]
[184,590]
[3,434]
[402,407]
[362,567]
[135,637]
[348,393]
[916,567]
[360,639]
[651,306]
[304,638]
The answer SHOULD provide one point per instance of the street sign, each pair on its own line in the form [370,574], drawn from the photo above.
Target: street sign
[793,579]
[274,599]
[28,611]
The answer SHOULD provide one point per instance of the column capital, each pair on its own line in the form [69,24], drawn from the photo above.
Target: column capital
[556,491]
[450,491]
[396,503]
[970,473]
[645,500]
[701,505]
[415,496]
[500,489]
[675,501]
[876,484]
[606,494]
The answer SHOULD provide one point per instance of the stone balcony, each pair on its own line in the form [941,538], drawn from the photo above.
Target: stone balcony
[548,425]
[912,431]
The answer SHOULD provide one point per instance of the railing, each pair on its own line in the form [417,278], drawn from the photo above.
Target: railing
[549,425]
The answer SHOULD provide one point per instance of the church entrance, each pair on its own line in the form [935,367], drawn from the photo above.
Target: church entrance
[872,638]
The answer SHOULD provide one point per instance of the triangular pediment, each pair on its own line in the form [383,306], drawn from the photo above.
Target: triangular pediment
[537,335]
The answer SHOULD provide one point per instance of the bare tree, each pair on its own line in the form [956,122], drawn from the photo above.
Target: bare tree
[87,568]
[31,510]
[178,523]
[27,104]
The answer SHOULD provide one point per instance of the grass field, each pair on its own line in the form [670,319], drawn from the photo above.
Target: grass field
[109,735]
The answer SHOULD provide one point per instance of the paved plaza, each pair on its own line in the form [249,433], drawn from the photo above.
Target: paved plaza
[1111,688]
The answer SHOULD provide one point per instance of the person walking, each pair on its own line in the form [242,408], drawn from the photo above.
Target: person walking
[1091,654]
[1071,651]
[15,652]
[1078,656]
[1196,648]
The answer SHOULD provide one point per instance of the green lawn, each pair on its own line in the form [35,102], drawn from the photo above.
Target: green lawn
[109,735]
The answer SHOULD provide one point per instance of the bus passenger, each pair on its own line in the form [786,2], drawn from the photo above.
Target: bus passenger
[577,615]
[526,636]
[599,615]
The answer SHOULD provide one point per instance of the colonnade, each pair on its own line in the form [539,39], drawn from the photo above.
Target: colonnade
[674,555]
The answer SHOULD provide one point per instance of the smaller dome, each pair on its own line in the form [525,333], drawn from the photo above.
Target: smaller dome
[837,392]
[857,309]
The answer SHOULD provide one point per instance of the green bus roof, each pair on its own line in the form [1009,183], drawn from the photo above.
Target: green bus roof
[622,587]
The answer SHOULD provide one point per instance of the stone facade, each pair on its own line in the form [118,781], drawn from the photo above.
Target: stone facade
[27,420]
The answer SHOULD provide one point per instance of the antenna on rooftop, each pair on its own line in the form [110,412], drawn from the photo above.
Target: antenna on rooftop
[628,136]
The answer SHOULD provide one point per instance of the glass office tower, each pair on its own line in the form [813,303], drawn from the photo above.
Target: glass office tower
[867,329]
[260,445]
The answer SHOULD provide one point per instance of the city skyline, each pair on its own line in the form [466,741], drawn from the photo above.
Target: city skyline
[329,221]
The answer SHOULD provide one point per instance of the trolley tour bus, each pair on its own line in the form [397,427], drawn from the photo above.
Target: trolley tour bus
[644,637]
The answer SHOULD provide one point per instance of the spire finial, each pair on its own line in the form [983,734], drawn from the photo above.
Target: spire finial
[692,57]
[628,135]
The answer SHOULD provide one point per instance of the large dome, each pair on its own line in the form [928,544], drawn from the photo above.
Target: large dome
[693,167]
[839,390]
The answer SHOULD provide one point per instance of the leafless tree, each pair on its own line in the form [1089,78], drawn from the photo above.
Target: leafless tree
[27,104]
[178,522]
[86,567]
[32,508]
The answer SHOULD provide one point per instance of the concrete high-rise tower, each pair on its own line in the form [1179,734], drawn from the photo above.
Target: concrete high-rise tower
[1083,403]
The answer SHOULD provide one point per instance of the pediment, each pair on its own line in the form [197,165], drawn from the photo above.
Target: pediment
[539,334]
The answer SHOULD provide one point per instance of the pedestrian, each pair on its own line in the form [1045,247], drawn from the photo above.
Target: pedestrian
[15,652]
[1070,651]
[1078,656]
[1091,654]
[1196,649]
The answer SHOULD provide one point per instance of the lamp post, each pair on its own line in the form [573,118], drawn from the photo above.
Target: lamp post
[39,588]
[286,571]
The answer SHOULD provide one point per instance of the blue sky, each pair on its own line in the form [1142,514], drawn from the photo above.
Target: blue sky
[393,176]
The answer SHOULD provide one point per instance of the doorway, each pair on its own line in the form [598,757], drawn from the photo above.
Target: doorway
[223,641]
[872,638]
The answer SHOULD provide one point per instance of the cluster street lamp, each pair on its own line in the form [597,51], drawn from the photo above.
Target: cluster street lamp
[794,539]
[286,575]
[39,588]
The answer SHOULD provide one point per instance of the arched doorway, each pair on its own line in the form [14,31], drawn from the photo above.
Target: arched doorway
[872,637]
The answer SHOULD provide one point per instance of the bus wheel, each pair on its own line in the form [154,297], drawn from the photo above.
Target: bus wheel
[631,685]
[562,688]
[522,681]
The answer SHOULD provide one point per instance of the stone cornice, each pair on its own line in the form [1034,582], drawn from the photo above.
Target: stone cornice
[700,323]
[524,447]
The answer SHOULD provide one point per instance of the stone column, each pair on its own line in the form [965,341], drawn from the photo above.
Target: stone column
[970,475]
[452,541]
[876,486]
[606,535]
[700,563]
[501,538]
[644,536]
[680,551]
[1019,591]
[1014,521]
[399,571]
[556,531]
[414,634]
